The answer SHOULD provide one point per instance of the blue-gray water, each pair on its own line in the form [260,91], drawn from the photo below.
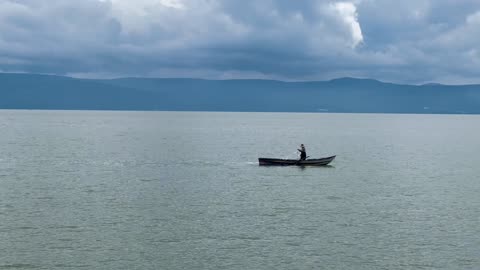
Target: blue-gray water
[168,190]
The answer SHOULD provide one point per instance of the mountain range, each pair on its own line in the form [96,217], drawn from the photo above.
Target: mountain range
[347,95]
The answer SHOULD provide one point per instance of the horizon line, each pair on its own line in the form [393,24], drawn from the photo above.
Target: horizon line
[239,79]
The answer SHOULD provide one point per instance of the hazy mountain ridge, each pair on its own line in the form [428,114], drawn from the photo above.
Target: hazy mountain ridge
[30,91]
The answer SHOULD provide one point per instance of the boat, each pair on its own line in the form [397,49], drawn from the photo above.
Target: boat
[295,162]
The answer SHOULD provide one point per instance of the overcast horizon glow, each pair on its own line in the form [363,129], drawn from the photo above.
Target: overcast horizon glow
[412,41]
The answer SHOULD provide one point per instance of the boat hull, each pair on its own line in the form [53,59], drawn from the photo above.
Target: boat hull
[295,162]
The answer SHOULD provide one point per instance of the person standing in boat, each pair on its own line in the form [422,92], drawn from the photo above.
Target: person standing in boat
[303,152]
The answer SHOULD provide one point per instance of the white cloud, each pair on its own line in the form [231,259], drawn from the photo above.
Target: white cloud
[348,13]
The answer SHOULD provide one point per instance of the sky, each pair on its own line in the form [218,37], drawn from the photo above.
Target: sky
[409,41]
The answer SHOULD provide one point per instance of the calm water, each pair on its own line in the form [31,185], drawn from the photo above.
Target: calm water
[167,190]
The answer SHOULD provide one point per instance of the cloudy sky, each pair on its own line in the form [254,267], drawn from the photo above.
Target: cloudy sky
[409,41]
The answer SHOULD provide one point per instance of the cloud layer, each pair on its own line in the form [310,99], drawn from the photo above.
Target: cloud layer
[412,41]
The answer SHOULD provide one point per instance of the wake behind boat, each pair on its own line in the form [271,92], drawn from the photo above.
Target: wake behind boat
[295,162]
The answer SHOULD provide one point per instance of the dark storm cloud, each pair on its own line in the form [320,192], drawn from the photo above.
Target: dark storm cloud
[402,41]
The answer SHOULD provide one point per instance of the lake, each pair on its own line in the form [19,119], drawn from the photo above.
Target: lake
[183,190]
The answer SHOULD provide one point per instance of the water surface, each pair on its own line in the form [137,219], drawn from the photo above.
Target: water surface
[170,190]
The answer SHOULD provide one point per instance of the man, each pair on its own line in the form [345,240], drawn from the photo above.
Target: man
[303,153]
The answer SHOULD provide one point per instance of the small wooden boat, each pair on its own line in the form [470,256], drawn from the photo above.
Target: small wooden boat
[295,162]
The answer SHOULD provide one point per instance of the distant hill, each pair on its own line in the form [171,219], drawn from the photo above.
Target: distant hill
[29,91]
